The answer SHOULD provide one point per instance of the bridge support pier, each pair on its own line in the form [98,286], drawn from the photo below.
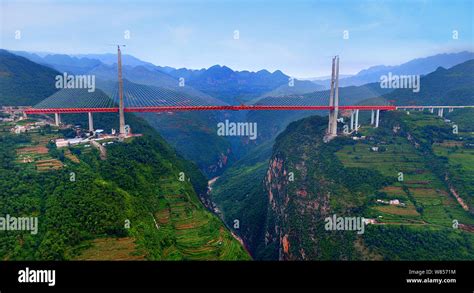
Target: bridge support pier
[372,117]
[352,120]
[440,112]
[91,122]
[357,120]
[377,117]
[450,110]
[57,119]
[431,110]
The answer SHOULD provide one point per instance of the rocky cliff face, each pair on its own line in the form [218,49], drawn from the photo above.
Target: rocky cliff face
[303,188]
[220,164]
[286,195]
[287,201]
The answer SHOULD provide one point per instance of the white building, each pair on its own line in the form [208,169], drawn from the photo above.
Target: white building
[74,141]
[61,143]
[370,221]
[19,129]
[394,202]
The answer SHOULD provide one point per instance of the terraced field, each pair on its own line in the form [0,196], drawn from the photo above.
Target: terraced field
[111,249]
[35,155]
[31,154]
[461,157]
[427,200]
[399,157]
[71,157]
[461,169]
[196,234]
[48,164]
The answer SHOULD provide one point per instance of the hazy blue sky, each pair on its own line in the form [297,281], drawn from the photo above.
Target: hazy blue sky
[297,36]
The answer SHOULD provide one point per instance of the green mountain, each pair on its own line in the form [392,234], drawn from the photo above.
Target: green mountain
[193,134]
[453,86]
[463,118]
[228,193]
[271,123]
[141,202]
[23,82]
[237,195]
[347,178]
[104,68]
[132,205]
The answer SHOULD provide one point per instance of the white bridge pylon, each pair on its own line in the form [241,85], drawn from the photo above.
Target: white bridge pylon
[334,102]
[333,99]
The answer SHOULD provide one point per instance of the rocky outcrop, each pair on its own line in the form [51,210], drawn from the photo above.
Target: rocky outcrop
[219,166]
[299,195]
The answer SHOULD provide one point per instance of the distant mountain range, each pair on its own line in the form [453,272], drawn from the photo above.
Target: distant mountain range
[221,82]
[237,86]
[61,62]
[419,66]
[225,84]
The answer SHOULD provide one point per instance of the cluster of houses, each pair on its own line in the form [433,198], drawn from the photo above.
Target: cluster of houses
[17,129]
[394,202]
[62,143]
[97,135]
[14,110]
[370,221]
[373,148]
[12,114]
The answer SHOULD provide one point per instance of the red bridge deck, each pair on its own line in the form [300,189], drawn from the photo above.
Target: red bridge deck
[203,108]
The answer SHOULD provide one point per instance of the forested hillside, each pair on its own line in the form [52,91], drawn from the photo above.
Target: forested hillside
[193,134]
[453,86]
[22,82]
[348,178]
[132,205]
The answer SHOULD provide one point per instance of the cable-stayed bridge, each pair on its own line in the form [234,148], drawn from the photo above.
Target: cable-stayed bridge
[142,98]
[126,96]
